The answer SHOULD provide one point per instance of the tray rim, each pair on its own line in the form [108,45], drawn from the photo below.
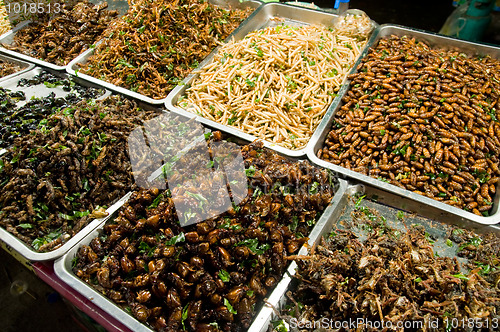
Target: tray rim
[346,173]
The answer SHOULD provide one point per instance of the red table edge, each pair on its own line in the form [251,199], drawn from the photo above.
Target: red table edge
[45,271]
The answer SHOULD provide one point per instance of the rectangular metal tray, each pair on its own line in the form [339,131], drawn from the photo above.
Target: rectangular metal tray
[436,222]
[13,243]
[263,17]
[25,66]
[73,66]
[8,38]
[63,270]
[40,90]
[323,129]
[10,82]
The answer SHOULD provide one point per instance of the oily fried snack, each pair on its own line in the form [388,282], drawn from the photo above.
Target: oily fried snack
[397,277]
[157,43]
[7,68]
[424,119]
[276,83]
[62,38]
[16,121]
[58,178]
[212,275]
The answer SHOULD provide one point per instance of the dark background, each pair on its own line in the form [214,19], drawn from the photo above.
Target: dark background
[427,15]
[422,14]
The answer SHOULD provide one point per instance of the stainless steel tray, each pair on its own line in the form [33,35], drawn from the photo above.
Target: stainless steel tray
[13,243]
[63,270]
[25,66]
[436,222]
[263,17]
[40,90]
[323,129]
[16,244]
[73,66]
[8,38]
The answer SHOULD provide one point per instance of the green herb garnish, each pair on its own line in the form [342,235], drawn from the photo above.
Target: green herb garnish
[176,239]
[224,275]
[229,306]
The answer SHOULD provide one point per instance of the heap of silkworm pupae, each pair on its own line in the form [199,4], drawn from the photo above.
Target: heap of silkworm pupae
[210,276]
[424,119]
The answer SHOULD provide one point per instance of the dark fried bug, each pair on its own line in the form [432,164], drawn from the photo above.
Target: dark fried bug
[214,273]
[62,38]
[157,43]
[422,113]
[60,176]
[373,272]
[19,121]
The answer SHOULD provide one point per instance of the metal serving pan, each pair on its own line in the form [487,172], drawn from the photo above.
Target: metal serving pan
[323,129]
[25,66]
[63,269]
[13,243]
[73,66]
[8,38]
[263,17]
[436,222]
[41,90]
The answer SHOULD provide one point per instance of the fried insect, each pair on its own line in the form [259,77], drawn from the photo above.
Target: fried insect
[372,272]
[7,68]
[19,121]
[55,180]
[62,38]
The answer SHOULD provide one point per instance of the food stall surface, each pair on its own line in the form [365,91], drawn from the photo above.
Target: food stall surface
[37,308]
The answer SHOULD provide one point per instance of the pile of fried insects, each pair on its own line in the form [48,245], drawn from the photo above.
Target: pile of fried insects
[212,275]
[393,276]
